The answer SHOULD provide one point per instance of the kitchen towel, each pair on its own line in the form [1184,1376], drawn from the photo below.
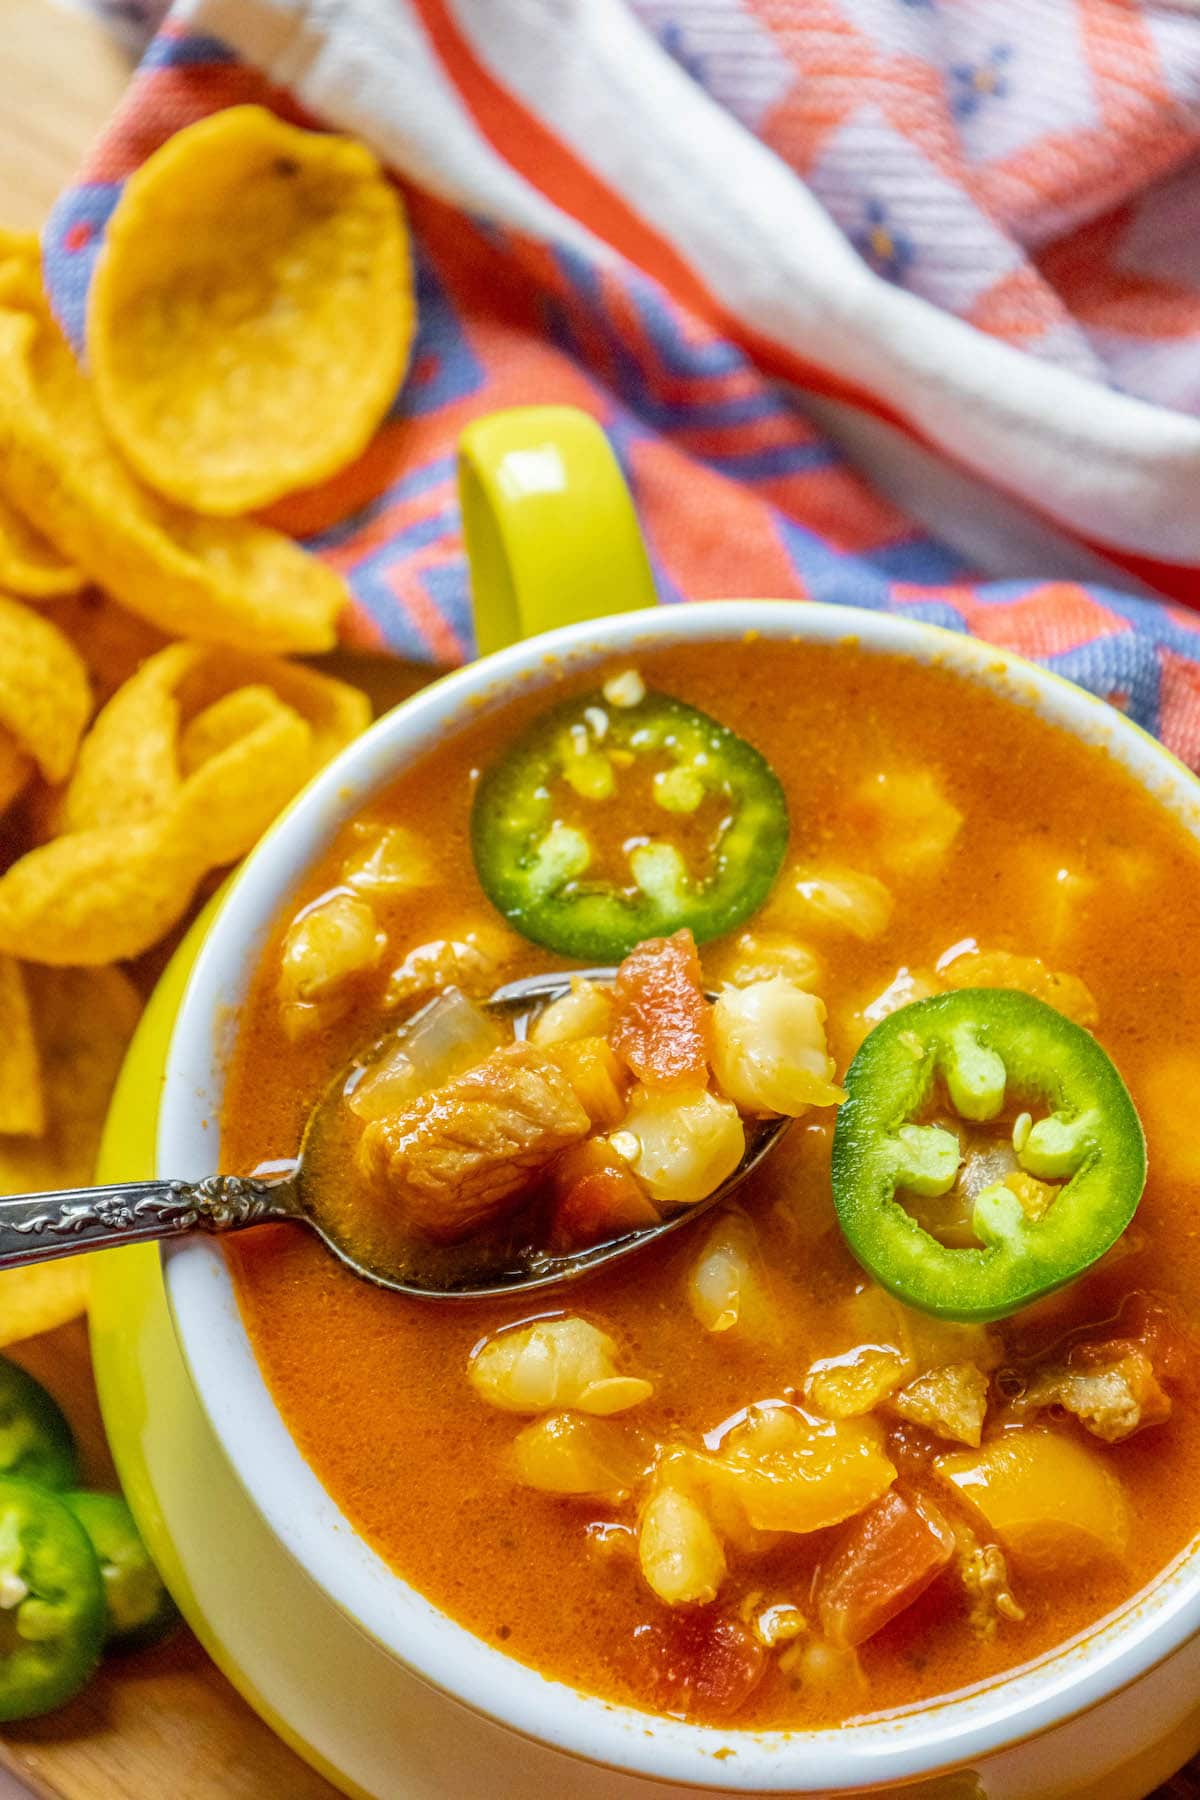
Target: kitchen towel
[884,302]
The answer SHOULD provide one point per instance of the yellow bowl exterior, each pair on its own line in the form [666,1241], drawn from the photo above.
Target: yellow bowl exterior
[130,1323]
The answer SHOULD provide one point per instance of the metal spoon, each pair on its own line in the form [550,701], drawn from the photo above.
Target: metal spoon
[37,1227]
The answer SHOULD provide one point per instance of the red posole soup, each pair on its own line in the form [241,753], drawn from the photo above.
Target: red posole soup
[916,1402]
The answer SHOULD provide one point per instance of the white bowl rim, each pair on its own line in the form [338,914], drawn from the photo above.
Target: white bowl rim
[955,1730]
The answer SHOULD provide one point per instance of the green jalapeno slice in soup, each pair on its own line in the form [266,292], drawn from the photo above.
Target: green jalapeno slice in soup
[993,1071]
[611,822]
[52,1613]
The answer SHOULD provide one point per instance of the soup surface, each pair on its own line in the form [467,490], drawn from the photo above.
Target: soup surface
[940,838]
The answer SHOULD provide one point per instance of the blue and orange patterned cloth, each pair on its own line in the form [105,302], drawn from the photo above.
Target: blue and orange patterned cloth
[891,303]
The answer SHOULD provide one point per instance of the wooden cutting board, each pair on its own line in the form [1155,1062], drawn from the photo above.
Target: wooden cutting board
[166,1722]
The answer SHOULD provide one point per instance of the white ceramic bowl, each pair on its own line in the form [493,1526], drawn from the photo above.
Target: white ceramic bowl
[966,1729]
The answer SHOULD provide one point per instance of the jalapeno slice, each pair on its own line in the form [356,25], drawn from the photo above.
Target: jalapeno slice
[51,1602]
[35,1440]
[140,1610]
[702,819]
[1078,1155]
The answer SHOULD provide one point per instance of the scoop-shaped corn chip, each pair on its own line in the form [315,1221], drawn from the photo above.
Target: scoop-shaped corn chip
[185,711]
[29,563]
[45,695]
[240,755]
[43,1295]
[15,769]
[20,268]
[128,765]
[180,774]
[222,581]
[84,1020]
[23,244]
[233,716]
[98,896]
[334,711]
[252,310]
[20,256]
[22,1101]
[231,799]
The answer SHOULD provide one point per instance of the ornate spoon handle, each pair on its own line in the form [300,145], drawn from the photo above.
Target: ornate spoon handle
[36,1227]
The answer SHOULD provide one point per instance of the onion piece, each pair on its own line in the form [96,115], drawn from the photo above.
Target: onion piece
[444,1039]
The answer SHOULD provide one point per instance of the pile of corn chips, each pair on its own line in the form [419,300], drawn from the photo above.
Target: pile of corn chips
[249,322]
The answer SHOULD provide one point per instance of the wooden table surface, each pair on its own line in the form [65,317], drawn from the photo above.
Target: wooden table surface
[167,1722]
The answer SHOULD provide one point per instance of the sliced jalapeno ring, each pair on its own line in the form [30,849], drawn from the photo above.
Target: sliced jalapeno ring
[140,1610]
[708,838]
[52,1615]
[990,1049]
[35,1440]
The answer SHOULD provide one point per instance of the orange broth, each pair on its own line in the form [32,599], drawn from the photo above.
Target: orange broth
[373,1386]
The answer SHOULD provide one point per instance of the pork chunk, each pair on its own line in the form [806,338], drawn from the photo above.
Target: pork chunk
[1110,1388]
[461,1157]
[950,1401]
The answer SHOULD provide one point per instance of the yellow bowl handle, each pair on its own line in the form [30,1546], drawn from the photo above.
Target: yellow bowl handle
[551,532]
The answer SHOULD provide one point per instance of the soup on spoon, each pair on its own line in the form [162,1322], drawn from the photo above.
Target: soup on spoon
[485,1147]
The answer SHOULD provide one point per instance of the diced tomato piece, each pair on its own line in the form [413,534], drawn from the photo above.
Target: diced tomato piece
[887,1558]
[595,1198]
[699,1662]
[662,1023]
